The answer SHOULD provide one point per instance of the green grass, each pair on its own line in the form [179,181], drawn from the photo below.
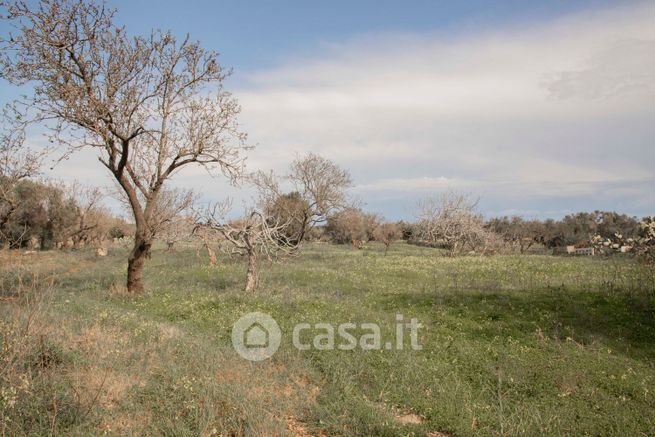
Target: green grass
[512,345]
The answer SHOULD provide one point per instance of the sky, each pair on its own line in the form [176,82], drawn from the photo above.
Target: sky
[538,108]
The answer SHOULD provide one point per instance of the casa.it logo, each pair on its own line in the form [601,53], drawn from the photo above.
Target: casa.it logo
[256,336]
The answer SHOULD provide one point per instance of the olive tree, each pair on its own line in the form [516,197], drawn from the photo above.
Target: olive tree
[149,105]
[17,163]
[517,232]
[289,208]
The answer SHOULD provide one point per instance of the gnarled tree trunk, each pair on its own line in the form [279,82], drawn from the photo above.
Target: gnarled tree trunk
[251,275]
[135,263]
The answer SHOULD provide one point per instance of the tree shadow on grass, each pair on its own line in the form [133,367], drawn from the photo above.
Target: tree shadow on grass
[622,321]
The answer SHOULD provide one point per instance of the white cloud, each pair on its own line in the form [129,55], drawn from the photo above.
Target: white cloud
[551,111]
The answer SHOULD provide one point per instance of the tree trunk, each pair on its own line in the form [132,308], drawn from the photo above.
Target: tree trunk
[303,230]
[251,275]
[135,264]
[210,252]
[212,256]
[453,249]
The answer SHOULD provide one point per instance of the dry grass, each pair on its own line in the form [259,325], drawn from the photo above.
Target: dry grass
[102,386]
[56,372]
[168,331]
[118,290]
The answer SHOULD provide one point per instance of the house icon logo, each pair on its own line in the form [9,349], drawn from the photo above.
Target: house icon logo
[256,336]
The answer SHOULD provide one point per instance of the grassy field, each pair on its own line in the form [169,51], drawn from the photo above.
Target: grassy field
[512,345]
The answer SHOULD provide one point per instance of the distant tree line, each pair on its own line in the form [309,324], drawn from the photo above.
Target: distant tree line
[452,222]
[573,229]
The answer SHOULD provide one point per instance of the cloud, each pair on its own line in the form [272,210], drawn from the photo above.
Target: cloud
[553,116]
[626,66]
[549,111]
[407,184]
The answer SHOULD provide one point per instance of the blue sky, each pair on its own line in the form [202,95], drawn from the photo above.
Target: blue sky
[253,35]
[540,108]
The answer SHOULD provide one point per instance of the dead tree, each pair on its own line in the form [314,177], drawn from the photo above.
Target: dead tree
[451,220]
[173,217]
[253,236]
[150,105]
[205,235]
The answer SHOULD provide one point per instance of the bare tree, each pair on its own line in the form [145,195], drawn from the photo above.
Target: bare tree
[176,230]
[206,235]
[253,236]
[172,214]
[452,221]
[172,218]
[150,105]
[322,183]
[387,233]
[318,189]
[87,209]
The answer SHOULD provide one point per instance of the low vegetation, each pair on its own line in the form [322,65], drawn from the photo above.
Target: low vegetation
[512,345]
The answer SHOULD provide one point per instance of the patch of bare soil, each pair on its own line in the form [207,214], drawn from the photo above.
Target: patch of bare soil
[409,419]
[414,419]
[297,429]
